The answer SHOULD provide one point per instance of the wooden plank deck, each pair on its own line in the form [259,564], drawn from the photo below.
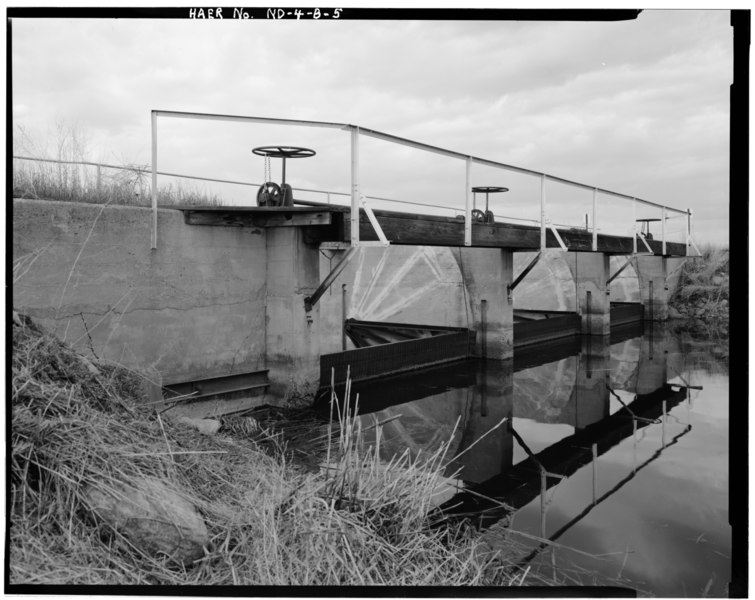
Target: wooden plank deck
[330,223]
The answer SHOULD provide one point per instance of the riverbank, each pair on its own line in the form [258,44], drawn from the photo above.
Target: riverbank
[703,291]
[106,491]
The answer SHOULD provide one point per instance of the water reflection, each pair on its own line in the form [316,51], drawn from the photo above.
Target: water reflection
[552,442]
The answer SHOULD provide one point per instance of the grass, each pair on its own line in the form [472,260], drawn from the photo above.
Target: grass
[62,181]
[354,520]
[703,289]
[74,183]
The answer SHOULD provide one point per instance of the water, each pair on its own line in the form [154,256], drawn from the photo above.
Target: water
[617,453]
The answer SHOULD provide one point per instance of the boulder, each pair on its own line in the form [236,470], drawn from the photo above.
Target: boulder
[153,517]
[673,313]
[206,426]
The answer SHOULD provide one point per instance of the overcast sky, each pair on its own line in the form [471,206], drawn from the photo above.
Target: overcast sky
[639,107]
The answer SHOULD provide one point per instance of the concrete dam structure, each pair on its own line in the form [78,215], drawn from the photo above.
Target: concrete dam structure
[228,303]
[260,304]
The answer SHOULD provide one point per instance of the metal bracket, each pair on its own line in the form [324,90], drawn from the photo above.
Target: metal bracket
[522,275]
[310,301]
[620,269]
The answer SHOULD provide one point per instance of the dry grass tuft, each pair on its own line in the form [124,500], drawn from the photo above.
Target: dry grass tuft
[359,521]
[706,277]
[129,185]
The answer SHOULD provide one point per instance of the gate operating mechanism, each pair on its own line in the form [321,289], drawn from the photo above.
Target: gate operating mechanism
[479,216]
[270,193]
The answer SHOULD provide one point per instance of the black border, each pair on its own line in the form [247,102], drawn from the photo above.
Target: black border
[738,229]
[393,14]
[739,127]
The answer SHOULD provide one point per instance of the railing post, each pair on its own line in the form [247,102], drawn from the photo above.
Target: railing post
[634,226]
[542,212]
[595,219]
[663,231]
[154,180]
[355,186]
[468,205]
[343,317]
[689,231]
[99,178]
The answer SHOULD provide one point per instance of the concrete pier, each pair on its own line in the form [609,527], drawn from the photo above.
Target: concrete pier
[486,274]
[292,341]
[658,277]
[590,273]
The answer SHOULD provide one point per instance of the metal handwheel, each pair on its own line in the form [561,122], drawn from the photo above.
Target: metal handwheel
[284,151]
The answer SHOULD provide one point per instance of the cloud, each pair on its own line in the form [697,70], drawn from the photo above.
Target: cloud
[639,106]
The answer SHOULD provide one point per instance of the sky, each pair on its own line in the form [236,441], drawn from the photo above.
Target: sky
[639,107]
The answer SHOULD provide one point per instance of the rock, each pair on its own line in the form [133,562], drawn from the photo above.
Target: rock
[699,312]
[155,518]
[206,426]
[89,365]
[673,313]
[717,280]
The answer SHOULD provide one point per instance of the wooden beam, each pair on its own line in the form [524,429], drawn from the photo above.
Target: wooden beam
[427,230]
[413,229]
[234,218]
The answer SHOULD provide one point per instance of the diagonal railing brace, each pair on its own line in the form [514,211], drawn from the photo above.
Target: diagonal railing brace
[373,220]
[557,235]
[644,241]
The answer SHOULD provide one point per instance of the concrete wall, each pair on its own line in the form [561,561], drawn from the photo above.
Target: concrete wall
[216,301]
[421,285]
[399,284]
[292,335]
[192,308]
[548,286]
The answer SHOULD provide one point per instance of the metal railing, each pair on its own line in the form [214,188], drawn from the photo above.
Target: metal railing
[356,196]
[327,193]
[356,132]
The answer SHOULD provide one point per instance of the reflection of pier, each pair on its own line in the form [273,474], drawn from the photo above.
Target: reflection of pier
[605,393]
[530,478]
[596,500]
